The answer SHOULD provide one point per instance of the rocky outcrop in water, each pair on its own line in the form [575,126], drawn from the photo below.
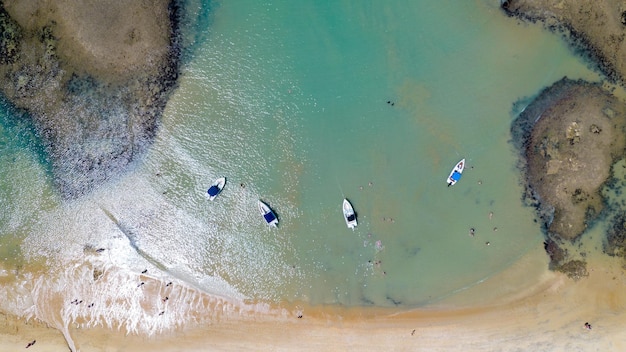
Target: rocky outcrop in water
[569,137]
[93,77]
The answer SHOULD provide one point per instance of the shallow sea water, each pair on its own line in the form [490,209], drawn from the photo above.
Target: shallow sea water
[302,104]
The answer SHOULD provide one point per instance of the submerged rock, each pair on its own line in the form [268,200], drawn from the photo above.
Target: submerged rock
[94,77]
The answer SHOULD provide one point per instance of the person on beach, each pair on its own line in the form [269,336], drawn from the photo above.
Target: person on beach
[31,343]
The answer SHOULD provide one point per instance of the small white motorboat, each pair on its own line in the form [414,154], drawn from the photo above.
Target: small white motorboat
[348,214]
[216,188]
[456,173]
[268,214]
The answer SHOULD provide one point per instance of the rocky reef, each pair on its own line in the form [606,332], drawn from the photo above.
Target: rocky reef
[93,78]
[569,137]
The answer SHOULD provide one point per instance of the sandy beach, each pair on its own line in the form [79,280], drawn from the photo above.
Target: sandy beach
[523,308]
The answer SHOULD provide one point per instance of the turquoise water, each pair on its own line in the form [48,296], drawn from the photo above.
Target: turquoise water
[303,103]
[294,95]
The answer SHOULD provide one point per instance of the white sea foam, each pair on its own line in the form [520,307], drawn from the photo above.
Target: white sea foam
[93,292]
[96,249]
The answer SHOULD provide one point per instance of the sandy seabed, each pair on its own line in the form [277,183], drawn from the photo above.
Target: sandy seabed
[523,308]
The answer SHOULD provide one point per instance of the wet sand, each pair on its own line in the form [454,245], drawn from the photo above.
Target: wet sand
[524,308]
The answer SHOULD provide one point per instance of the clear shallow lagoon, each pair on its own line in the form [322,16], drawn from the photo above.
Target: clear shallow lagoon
[292,102]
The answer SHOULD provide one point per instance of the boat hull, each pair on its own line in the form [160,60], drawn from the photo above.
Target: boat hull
[349,215]
[455,174]
[268,214]
[216,188]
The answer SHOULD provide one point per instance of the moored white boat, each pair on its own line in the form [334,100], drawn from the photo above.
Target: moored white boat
[268,215]
[216,188]
[455,174]
[349,215]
